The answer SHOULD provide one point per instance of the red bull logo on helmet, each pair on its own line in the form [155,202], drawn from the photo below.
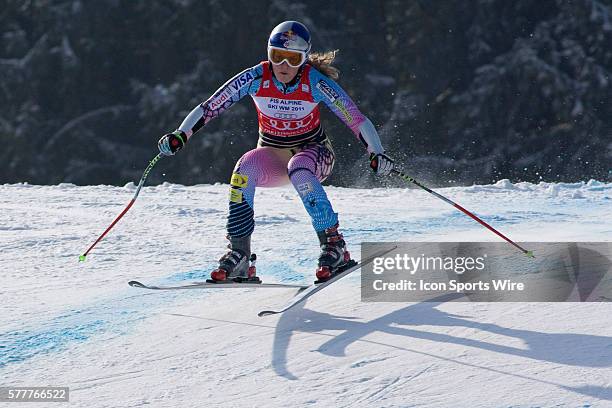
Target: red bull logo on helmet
[287,35]
[293,41]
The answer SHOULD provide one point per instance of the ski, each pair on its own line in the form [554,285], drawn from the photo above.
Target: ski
[208,285]
[316,287]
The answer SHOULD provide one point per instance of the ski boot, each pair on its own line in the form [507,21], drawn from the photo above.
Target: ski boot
[234,266]
[334,257]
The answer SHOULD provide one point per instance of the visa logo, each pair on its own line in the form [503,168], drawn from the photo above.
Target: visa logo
[242,80]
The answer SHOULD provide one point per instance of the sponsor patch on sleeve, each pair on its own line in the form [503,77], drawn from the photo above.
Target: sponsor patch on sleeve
[327,90]
[347,115]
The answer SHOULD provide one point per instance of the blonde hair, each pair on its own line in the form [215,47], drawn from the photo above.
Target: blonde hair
[322,61]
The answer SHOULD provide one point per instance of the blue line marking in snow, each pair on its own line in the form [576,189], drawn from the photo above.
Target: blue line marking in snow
[109,318]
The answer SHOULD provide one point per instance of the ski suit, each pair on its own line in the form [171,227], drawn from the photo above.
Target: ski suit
[292,146]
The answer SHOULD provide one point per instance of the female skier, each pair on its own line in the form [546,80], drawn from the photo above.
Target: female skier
[292,146]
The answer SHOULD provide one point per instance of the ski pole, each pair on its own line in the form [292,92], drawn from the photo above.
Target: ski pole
[140,184]
[409,179]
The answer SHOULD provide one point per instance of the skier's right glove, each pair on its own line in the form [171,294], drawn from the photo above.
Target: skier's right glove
[171,143]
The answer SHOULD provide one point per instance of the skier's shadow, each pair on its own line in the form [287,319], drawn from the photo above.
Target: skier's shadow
[581,350]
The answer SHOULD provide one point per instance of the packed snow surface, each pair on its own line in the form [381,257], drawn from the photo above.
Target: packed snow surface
[65,323]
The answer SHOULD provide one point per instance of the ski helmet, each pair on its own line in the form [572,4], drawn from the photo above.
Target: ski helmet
[290,35]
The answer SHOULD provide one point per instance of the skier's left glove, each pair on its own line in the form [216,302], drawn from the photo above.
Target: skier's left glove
[381,164]
[171,143]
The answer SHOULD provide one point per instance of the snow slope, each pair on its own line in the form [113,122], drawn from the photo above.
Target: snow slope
[65,323]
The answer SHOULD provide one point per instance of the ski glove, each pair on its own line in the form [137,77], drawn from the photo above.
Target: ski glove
[171,143]
[381,164]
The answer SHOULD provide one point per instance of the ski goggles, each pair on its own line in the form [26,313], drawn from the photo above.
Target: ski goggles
[279,55]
